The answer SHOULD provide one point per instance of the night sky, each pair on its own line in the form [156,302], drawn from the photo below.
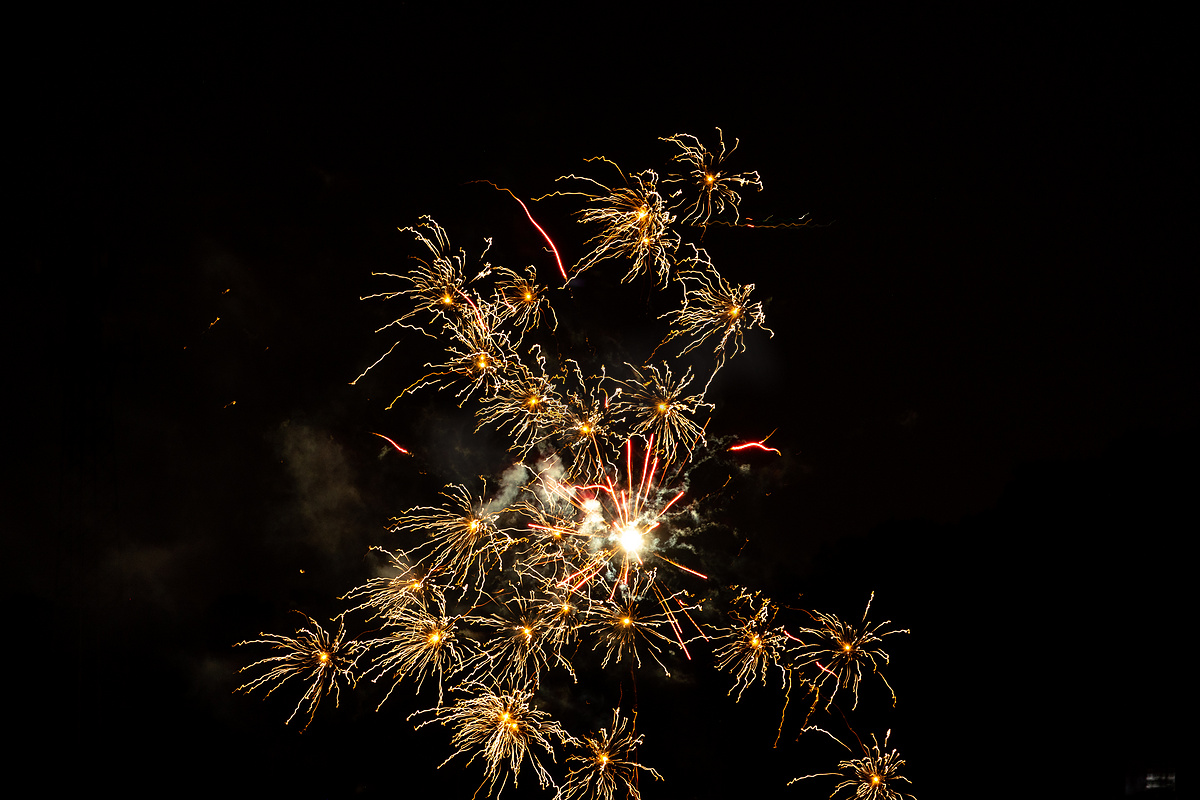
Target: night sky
[983,374]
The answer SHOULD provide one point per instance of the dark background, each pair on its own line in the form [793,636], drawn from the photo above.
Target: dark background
[983,372]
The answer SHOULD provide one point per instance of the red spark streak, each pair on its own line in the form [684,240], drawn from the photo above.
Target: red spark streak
[562,270]
[681,566]
[759,445]
[399,449]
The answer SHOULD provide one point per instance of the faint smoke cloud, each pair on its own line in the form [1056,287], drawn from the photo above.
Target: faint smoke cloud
[328,503]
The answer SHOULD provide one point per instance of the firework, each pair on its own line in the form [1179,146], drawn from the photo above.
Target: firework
[629,621]
[846,648]
[503,728]
[554,540]
[515,652]
[479,354]
[660,410]
[562,617]
[521,299]
[713,309]
[872,777]
[707,187]
[575,558]
[608,765]
[387,596]
[464,538]
[634,224]
[421,644]
[321,661]
[601,529]
[525,404]
[752,646]
[587,429]
[437,284]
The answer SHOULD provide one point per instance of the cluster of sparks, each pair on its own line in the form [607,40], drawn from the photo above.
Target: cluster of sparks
[492,595]
[875,776]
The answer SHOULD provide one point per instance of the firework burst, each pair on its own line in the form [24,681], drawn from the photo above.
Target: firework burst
[503,728]
[608,765]
[437,284]
[464,537]
[713,309]
[846,648]
[634,224]
[387,596]
[630,621]
[321,661]
[660,411]
[525,405]
[478,355]
[601,530]
[587,431]
[421,644]
[872,777]
[752,646]
[707,189]
[521,299]
[515,650]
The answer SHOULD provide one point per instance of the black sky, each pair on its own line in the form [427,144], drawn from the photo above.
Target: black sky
[983,372]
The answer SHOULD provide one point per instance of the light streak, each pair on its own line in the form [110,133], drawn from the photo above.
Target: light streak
[392,442]
[541,230]
[757,445]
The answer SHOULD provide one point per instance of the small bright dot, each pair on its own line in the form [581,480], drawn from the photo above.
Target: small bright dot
[626,622]
[528,295]
[323,657]
[434,638]
[874,779]
[662,408]
[708,178]
[846,647]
